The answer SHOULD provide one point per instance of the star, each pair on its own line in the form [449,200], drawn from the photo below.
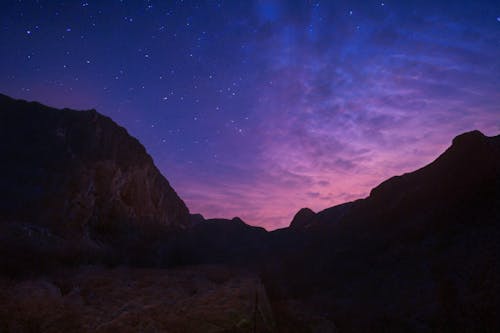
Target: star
[312,77]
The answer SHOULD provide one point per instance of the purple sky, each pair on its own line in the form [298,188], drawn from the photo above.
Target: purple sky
[256,109]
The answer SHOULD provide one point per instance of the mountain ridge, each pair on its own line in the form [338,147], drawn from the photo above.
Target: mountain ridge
[472,146]
[419,254]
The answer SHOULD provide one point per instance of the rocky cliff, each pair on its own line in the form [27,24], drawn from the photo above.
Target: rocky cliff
[78,171]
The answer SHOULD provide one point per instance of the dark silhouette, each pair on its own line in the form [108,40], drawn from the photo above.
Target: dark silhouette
[303,218]
[69,170]
[76,185]
[419,254]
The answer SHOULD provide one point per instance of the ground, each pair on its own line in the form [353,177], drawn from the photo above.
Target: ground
[97,299]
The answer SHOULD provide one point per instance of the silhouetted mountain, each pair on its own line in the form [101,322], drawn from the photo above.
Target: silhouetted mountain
[76,188]
[306,218]
[461,186]
[421,253]
[195,219]
[74,171]
[217,241]
[303,218]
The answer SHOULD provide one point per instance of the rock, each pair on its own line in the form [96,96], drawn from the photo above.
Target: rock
[70,170]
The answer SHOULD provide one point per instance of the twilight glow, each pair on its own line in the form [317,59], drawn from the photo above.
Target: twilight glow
[258,108]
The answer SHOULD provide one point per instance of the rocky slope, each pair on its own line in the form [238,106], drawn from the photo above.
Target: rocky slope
[78,172]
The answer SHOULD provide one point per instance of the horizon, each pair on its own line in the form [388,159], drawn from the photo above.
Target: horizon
[259,109]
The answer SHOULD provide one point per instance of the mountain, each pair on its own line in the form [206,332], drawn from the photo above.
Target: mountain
[419,254]
[78,173]
[195,219]
[462,186]
[303,218]
[218,241]
[306,218]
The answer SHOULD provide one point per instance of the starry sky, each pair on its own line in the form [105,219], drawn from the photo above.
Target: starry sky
[258,108]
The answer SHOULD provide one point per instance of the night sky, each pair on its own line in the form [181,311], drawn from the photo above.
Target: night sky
[256,109]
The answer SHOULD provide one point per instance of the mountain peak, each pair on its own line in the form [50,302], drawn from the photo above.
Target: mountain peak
[470,150]
[236,219]
[471,138]
[303,217]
